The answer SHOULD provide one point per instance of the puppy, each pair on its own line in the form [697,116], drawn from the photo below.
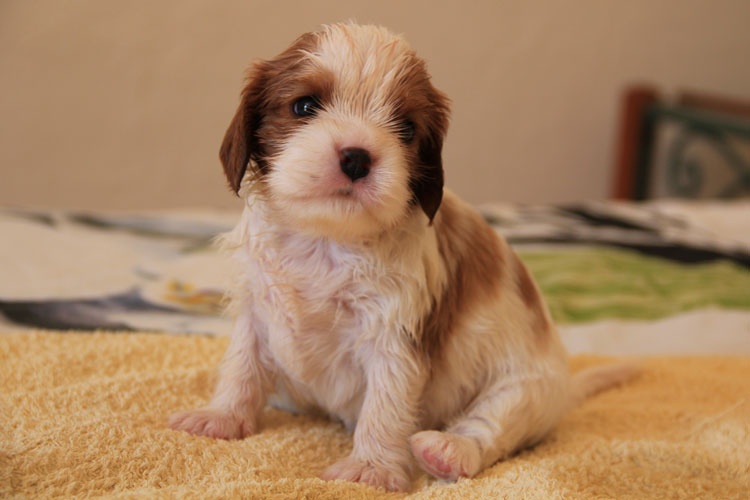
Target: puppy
[368,291]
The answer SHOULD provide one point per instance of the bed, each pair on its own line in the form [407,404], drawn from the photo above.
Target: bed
[111,321]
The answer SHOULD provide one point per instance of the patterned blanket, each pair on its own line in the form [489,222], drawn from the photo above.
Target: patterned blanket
[620,278]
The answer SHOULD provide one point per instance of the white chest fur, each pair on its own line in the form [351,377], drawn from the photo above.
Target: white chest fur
[324,307]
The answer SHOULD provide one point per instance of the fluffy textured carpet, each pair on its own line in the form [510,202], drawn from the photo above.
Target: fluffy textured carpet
[84,415]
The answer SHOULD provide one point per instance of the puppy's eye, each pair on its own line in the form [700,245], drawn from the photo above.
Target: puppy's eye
[306,106]
[406,131]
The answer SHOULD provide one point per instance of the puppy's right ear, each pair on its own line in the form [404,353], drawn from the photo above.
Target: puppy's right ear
[240,142]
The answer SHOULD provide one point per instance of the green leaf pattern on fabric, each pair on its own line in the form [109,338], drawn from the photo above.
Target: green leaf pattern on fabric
[582,285]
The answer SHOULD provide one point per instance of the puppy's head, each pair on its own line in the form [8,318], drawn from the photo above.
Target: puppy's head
[342,133]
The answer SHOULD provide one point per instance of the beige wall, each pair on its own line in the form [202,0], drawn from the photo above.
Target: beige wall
[112,104]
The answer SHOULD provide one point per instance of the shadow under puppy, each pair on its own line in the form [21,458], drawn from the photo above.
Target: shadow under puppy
[367,290]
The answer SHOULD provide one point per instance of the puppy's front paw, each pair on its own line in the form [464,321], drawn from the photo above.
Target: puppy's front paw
[213,423]
[445,455]
[350,469]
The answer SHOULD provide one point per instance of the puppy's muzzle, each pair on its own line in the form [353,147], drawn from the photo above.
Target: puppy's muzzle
[355,162]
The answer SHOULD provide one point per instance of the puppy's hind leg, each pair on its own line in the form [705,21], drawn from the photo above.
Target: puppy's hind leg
[501,420]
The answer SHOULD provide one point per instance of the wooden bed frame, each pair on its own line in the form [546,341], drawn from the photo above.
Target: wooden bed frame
[719,120]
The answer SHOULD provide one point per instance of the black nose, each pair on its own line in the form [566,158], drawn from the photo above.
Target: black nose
[355,162]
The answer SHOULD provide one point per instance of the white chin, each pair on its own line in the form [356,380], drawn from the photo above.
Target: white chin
[340,217]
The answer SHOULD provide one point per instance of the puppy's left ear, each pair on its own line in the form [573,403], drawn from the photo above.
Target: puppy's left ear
[427,184]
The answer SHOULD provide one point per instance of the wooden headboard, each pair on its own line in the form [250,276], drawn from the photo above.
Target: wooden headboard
[693,146]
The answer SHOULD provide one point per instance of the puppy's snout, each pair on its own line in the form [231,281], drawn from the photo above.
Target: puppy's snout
[355,162]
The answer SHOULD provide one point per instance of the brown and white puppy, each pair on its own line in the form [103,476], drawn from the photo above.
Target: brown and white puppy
[368,291]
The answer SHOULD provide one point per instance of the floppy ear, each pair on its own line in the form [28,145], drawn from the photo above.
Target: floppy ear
[240,142]
[427,185]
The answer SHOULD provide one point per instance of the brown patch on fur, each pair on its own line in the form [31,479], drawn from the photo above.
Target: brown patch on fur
[429,110]
[530,295]
[473,256]
[264,117]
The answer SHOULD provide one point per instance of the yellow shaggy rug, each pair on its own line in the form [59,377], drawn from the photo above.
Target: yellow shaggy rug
[84,415]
